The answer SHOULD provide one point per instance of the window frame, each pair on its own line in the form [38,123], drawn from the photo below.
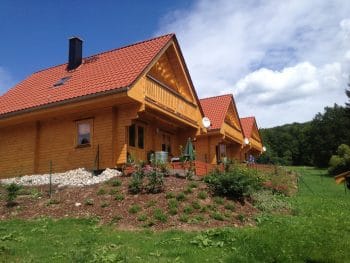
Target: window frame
[136,139]
[77,124]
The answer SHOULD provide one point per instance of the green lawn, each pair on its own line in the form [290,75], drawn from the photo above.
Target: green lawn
[318,231]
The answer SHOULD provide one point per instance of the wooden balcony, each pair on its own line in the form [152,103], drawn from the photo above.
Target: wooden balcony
[256,144]
[232,133]
[170,101]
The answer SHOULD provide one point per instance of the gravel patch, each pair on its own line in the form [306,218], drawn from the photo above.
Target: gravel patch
[78,177]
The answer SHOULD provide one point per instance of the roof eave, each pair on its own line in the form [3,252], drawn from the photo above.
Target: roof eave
[65,102]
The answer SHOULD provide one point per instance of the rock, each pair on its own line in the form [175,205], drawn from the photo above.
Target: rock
[78,177]
[77,204]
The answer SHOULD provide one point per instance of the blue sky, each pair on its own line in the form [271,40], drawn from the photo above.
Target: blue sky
[35,33]
[283,61]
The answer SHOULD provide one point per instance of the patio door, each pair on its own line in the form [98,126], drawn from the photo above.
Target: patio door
[221,152]
[166,142]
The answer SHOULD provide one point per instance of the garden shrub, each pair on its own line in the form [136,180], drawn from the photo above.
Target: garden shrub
[119,197]
[188,210]
[202,195]
[173,205]
[101,191]
[142,218]
[136,183]
[184,218]
[116,182]
[154,175]
[160,215]
[169,195]
[236,183]
[155,181]
[217,216]
[196,205]
[12,192]
[181,196]
[134,209]
[340,162]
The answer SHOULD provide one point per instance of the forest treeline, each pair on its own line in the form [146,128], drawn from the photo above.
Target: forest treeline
[310,143]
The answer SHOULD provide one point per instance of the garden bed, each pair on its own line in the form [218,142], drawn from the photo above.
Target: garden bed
[183,204]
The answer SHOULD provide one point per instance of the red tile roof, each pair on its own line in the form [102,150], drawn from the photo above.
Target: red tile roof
[215,108]
[247,126]
[103,72]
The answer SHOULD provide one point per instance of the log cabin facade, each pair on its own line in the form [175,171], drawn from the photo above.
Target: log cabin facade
[99,111]
[253,143]
[224,138]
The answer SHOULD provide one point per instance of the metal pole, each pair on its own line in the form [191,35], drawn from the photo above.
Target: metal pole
[50,191]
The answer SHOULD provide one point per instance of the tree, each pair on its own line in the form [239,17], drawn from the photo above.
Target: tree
[340,162]
[328,131]
[310,143]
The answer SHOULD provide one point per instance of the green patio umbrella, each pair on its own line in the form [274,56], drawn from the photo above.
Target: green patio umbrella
[188,151]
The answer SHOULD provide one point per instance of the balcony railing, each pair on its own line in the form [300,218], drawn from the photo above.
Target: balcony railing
[233,133]
[169,100]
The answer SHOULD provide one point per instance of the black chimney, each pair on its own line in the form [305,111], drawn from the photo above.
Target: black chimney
[75,53]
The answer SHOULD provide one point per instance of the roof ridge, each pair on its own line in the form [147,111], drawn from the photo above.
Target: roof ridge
[111,50]
[249,117]
[213,97]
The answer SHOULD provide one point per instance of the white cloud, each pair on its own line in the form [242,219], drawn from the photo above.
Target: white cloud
[6,80]
[275,56]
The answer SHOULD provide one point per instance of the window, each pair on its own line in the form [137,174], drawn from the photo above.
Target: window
[61,81]
[137,136]
[140,137]
[220,153]
[132,135]
[84,133]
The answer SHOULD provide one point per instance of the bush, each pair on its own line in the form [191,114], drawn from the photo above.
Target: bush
[217,216]
[136,184]
[134,209]
[155,181]
[160,216]
[142,218]
[181,197]
[196,205]
[184,218]
[236,183]
[230,206]
[188,210]
[193,185]
[101,191]
[173,205]
[154,176]
[188,190]
[12,192]
[341,162]
[202,195]
[116,182]
[119,197]
[219,200]
[169,195]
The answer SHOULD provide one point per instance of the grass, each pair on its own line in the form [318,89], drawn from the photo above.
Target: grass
[318,231]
